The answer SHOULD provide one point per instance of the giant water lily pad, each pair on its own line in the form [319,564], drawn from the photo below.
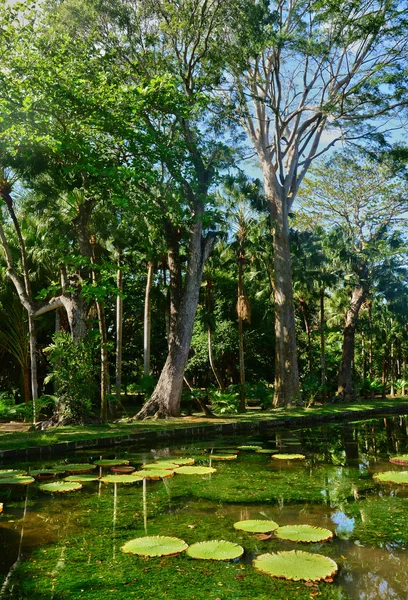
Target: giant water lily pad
[256,526]
[223,456]
[11,472]
[215,550]
[399,477]
[163,465]
[401,459]
[249,448]
[76,468]
[155,545]
[181,462]
[195,470]
[82,478]
[114,462]
[264,451]
[60,487]
[154,474]
[120,478]
[16,480]
[296,565]
[288,456]
[303,533]
[44,473]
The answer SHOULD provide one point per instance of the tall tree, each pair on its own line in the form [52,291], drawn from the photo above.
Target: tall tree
[305,75]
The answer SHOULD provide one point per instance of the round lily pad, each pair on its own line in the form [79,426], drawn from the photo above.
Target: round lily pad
[154,545]
[402,459]
[215,550]
[120,478]
[400,477]
[154,474]
[195,470]
[296,565]
[303,533]
[11,472]
[182,461]
[223,456]
[166,465]
[16,480]
[114,462]
[44,473]
[264,451]
[289,456]
[123,470]
[256,526]
[80,468]
[61,487]
[249,447]
[82,477]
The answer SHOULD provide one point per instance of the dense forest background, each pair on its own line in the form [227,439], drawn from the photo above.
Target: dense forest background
[201,202]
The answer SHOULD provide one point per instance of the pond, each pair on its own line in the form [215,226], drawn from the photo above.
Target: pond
[59,546]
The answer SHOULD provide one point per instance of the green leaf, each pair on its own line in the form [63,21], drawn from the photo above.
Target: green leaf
[303,533]
[400,477]
[75,468]
[401,459]
[256,526]
[215,550]
[182,461]
[16,480]
[289,456]
[161,465]
[115,462]
[296,565]
[195,470]
[81,478]
[60,487]
[121,478]
[11,472]
[154,474]
[249,447]
[156,545]
[223,456]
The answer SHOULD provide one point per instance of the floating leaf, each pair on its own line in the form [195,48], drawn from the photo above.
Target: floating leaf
[401,459]
[11,472]
[400,477]
[256,526]
[164,465]
[114,462]
[182,461]
[44,473]
[16,480]
[154,474]
[195,470]
[60,487]
[80,468]
[123,470]
[296,565]
[249,447]
[215,550]
[264,451]
[303,533]
[82,478]
[155,545]
[223,456]
[120,478]
[289,456]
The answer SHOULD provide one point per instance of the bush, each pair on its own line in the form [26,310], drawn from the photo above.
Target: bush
[260,393]
[74,373]
[10,411]
[224,402]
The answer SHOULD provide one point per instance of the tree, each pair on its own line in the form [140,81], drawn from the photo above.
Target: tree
[364,202]
[306,75]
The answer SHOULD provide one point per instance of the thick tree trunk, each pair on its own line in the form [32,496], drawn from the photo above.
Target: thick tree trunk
[322,347]
[404,371]
[165,400]
[286,387]
[33,363]
[26,385]
[241,300]
[77,314]
[147,320]
[119,330]
[345,384]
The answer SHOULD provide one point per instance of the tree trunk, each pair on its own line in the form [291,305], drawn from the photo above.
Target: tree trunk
[211,360]
[147,320]
[345,384]
[322,347]
[286,387]
[33,363]
[392,369]
[241,298]
[308,333]
[404,370]
[26,385]
[104,360]
[77,314]
[165,400]
[119,330]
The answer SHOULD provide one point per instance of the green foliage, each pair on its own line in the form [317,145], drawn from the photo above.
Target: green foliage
[224,402]
[296,565]
[215,550]
[74,374]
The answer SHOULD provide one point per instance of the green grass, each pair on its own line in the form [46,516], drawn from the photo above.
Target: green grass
[29,439]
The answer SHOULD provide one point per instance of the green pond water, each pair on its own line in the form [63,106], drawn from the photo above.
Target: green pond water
[55,546]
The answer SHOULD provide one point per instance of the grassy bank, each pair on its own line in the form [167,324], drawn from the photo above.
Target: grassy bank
[33,439]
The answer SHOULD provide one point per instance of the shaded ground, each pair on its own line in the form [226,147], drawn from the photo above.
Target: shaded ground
[18,437]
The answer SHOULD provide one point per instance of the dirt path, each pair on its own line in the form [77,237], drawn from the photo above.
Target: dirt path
[11,427]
